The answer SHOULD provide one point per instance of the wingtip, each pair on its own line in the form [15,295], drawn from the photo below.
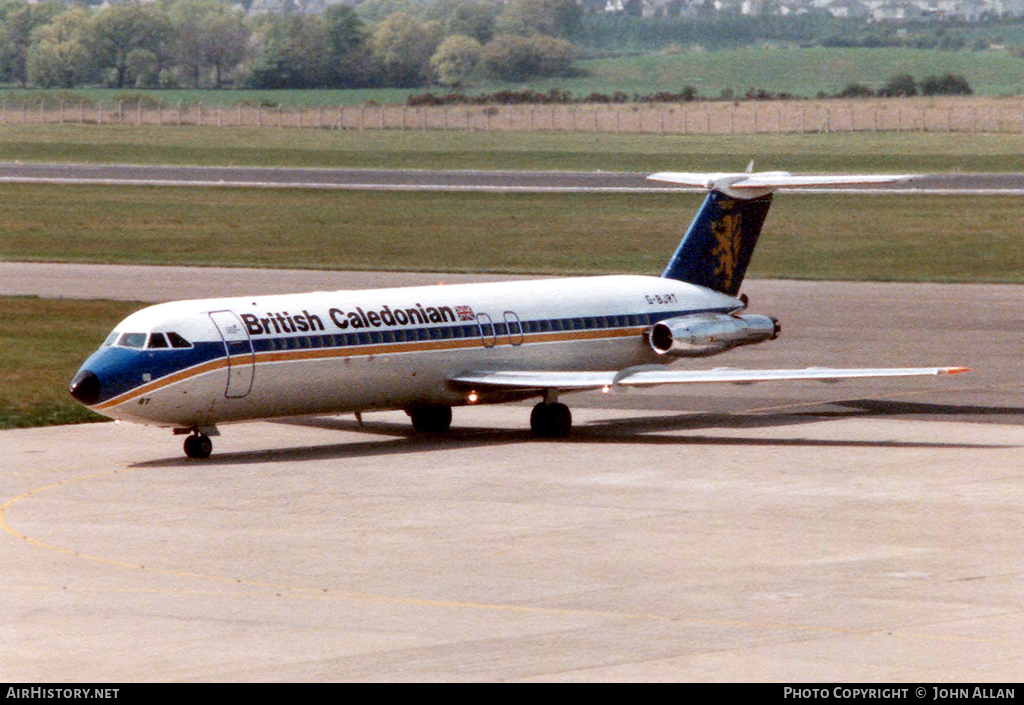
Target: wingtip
[956,370]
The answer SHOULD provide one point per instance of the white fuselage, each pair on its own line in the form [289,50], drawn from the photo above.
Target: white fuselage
[323,352]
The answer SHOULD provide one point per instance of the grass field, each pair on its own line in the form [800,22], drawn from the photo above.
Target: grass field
[800,72]
[910,238]
[45,341]
[873,152]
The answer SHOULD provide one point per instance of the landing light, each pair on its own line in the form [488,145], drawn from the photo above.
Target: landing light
[605,389]
[473,397]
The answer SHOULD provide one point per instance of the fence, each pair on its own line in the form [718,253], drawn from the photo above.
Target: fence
[719,118]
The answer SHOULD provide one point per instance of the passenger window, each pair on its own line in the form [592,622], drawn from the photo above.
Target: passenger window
[157,340]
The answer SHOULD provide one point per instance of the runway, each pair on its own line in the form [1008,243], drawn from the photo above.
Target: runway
[440,180]
[866,531]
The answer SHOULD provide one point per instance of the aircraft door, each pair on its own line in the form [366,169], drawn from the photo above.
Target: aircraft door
[514,328]
[487,332]
[241,358]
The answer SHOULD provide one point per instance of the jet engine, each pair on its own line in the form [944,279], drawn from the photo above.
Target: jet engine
[710,333]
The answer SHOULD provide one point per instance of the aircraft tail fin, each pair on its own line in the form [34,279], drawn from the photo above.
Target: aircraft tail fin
[719,243]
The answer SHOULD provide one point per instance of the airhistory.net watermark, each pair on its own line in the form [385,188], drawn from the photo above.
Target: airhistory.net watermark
[62,693]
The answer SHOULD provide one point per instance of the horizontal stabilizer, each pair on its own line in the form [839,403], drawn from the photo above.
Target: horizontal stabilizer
[569,381]
[751,185]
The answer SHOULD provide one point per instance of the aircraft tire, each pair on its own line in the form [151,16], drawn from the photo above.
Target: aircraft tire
[431,419]
[551,420]
[198,446]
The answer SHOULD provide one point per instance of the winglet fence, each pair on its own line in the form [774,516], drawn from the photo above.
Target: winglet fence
[697,118]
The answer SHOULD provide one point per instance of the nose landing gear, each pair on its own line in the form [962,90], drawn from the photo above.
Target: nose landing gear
[198,446]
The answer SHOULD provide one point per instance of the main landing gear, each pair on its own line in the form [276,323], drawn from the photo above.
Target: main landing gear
[551,420]
[198,446]
[431,419]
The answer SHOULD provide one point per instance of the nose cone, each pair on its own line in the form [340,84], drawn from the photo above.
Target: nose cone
[85,387]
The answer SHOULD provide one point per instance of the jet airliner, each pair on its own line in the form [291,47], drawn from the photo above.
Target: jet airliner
[191,365]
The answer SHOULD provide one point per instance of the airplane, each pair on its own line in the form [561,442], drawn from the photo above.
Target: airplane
[192,365]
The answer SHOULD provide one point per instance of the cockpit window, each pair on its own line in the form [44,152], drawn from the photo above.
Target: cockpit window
[132,340]
[110,339]
[147,340]
[177,341]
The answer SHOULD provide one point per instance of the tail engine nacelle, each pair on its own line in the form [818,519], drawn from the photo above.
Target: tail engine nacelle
[711,333]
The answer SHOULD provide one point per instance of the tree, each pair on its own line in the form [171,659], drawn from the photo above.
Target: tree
[556,57]
[900,85]
[555,18]
[207,36]
[947,84]
[227,44]
[123,29]
[19,22]
[403,47]
[855,90]
[142,68]
[61,53]
[347,38]
[472,18]
[514,58]
[456,59]
[510,58]
[295,53]
[344,29]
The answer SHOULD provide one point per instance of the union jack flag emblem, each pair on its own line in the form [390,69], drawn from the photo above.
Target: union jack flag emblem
[465,313]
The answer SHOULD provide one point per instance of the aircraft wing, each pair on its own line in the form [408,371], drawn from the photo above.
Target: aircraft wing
[655,375]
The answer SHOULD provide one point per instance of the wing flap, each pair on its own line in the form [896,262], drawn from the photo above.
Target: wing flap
[576,381]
